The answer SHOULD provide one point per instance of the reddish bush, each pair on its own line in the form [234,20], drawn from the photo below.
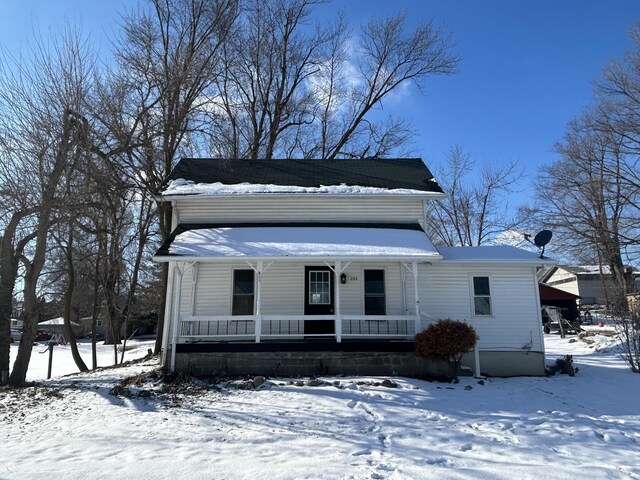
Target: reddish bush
[446,340]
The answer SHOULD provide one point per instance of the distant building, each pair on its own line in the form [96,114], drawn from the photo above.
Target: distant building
[592,283]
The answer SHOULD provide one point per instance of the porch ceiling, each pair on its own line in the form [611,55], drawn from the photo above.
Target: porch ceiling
[298,242]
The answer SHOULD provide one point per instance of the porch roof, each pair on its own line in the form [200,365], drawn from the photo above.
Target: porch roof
[297,242]
[493,254]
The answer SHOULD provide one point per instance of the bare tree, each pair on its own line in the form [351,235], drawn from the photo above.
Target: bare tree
[151,102]
[291,90]
[583,197]
[474,210]
[389,56]
[39,101]
[617,115]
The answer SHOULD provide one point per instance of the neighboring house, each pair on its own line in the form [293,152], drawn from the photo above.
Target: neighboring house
[87,322]
[16,323]
[592,283]
[55,326]
[322,266]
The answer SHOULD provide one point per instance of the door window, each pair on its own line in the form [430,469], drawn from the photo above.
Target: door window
[319,287]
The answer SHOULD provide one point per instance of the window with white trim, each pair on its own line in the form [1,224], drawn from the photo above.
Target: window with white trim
[374,294]
[481,296]
[243,292]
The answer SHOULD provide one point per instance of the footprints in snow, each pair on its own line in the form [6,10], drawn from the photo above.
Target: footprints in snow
[376,467]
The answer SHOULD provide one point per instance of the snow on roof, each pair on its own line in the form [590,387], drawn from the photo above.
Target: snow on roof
[500,253]
[56,321]
[591,269]
[302,242]
[188,187]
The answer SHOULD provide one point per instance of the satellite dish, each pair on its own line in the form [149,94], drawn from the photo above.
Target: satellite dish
[542,238]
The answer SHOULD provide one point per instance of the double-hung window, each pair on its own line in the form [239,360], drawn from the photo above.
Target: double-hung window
[481,296]
[243,292]
[374,295]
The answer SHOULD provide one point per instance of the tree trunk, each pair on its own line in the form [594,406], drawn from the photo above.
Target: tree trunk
[30,326]
[68,298]
[8,275]
[34,268]
[94,312]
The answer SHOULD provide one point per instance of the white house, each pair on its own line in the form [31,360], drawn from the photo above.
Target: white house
[323,266]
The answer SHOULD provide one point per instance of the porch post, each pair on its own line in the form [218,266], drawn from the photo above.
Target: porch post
[336,281]
[176,314]
[414,267]
[258,317]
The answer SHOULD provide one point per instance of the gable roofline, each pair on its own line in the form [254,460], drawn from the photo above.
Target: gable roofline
[284,177]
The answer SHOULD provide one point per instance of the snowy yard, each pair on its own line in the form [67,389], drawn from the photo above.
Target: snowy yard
[560,427]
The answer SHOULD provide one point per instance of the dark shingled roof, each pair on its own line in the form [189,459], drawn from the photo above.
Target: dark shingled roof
[409,173]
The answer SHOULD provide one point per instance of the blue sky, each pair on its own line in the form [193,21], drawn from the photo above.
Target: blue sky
[527,66]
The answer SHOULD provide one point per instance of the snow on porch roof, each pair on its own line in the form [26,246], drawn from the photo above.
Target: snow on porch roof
[407,242]
[492,254]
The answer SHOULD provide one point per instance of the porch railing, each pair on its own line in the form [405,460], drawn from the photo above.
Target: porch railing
[243,327]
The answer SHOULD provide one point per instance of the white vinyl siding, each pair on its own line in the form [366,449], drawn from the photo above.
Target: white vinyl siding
[389,209]
[282,289]
[444,293]
[566,281]
[213,293]
[515,320]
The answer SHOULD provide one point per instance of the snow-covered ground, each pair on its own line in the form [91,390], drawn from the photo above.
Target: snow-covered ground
[62,363]
[560,427]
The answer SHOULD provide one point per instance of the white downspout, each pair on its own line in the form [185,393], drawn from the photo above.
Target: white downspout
[175,215]
[176,318]
[258,317]
[194,285]
[403,284]
[414,267]
[168,318]
[539,310]
[336,280]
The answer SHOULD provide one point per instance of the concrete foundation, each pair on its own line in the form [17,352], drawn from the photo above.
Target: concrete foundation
[308,363]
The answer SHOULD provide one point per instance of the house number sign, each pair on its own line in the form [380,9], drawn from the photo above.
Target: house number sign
[353,278]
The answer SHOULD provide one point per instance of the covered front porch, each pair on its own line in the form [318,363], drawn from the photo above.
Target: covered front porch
[331,311]
[295,285]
